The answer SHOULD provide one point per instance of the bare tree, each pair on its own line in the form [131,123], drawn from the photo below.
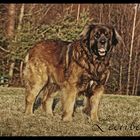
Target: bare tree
[131,49]
[21,16]
[71,8]
[101,13]
[109,13]
[11,20]
[10,31]
[19,28]
[78,11]
[135,70]
[137,81]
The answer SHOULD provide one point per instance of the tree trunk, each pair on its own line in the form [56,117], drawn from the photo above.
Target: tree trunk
[11,21]
[78,12]
[19,29]
[137,81]
[109,13]
[101,13]
[134,80]
[12,65]
[21,17]
[10,33]
[21,72]
[71,8]
[11,72]
[120,77]
[131,50]
[121,59]
[135,70]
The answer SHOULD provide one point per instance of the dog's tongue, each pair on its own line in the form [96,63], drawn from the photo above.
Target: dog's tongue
[102,51]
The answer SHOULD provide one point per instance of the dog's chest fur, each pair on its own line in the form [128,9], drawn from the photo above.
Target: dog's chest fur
[98,69]
[100,66]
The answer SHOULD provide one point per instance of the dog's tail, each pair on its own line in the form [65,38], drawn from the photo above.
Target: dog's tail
[22,67]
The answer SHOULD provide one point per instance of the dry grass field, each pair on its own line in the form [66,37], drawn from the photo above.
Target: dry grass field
[119,116]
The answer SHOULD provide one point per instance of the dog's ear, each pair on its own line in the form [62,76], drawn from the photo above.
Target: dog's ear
[86,31]
[116,38]
[85,35]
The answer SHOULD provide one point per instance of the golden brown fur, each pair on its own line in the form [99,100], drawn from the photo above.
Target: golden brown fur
[71,68]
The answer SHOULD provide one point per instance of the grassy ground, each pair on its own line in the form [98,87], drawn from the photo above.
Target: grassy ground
[119,116]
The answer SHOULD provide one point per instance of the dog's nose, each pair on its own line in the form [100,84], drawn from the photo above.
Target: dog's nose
[103,41]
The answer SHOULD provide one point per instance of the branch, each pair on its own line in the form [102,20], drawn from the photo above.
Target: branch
[4,50]
[49,9]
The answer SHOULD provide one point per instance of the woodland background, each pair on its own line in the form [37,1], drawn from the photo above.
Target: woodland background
[21,25]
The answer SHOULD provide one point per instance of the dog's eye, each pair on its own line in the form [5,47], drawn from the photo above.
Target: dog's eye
[97,35]
[106,34]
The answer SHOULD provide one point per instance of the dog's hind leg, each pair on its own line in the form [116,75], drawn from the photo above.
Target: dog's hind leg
[47,102]
[35,77]
[30,97]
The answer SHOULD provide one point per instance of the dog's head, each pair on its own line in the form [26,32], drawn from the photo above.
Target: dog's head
[100,38]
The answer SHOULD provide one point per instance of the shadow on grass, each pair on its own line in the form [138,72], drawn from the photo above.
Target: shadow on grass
[79,103]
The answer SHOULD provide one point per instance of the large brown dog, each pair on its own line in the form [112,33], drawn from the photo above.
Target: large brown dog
[72,68]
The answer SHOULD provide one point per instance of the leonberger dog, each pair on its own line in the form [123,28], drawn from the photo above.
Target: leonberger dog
[71,68]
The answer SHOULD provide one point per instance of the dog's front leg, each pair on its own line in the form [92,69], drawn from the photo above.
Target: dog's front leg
[94,102]
[68,101]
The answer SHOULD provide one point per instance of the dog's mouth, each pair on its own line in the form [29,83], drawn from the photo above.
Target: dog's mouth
[102,51]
